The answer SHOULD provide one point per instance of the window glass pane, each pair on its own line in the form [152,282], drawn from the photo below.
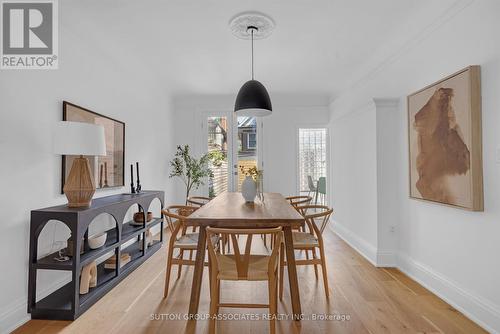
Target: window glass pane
[217,145]
[312,158]
[247,149]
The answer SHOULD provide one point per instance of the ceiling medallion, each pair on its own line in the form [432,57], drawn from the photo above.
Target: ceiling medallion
[240,23]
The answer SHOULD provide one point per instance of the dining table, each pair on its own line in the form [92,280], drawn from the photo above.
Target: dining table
[230,210]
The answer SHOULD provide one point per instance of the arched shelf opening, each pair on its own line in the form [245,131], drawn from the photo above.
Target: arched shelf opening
[52,243]
[102,233]
[155,207]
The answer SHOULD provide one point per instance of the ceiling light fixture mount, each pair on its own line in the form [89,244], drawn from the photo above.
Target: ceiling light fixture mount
[252,99]
[263,24]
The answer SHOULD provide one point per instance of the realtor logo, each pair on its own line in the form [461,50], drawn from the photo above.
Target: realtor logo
[29,34]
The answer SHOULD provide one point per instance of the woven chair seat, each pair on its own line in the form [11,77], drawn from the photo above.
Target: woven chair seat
[303,239]
[257,268]
[190,241]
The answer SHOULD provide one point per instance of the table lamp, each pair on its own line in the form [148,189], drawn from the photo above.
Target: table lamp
[81,139]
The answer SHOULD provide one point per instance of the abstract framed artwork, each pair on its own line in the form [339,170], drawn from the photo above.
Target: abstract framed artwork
[445,141]
[108,170]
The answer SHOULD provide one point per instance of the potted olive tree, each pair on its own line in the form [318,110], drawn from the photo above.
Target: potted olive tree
[190,170]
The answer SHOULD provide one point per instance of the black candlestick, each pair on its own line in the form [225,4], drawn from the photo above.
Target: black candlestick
[132,189]
[138,182]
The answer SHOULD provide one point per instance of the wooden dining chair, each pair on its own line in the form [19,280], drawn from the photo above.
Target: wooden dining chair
[298,201]
[295,201]
[316,218]
[198,201]
[175,216]
[243,266]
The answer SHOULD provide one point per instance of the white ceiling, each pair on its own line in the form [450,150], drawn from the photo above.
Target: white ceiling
[187,45]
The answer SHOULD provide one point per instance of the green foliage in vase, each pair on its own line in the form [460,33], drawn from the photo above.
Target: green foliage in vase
[190,170]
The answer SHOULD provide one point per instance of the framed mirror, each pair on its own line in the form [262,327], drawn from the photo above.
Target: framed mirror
[108,170]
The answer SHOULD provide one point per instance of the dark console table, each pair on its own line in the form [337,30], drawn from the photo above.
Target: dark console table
[67,303]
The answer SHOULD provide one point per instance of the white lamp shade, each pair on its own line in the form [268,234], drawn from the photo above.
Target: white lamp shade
[77,138]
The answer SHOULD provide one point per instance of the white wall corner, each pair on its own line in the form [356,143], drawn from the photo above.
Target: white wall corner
[363,247]
[386,102]
[480,310]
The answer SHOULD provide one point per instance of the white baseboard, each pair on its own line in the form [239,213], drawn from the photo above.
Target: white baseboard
[363,247]
[480,310]
[386,258]
[477,308]
[15,315]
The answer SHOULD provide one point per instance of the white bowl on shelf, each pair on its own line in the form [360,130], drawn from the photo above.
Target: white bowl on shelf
[97,240]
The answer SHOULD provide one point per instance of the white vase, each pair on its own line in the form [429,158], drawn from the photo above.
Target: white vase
[249,189]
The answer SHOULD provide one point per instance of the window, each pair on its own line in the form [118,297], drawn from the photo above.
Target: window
[312,158]
[252,140]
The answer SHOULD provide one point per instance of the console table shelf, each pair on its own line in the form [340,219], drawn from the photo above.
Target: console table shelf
[67,303]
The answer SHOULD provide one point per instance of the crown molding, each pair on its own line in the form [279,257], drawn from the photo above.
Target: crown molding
[400,45]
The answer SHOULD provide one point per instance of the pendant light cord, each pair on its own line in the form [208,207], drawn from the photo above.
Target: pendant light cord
[252,53]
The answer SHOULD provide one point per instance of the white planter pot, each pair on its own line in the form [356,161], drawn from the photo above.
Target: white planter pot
[249,189]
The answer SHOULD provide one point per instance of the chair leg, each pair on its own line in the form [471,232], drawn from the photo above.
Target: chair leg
[282,270]
[264,237]
[179,268]
[272,303]
[323,268]
[213,304]
[315,265]
[169,269]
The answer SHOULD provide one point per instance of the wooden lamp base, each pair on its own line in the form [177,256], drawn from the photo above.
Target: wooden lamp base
[79,187]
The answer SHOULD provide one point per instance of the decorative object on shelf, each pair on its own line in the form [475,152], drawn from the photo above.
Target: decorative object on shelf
[132,185]
[111,262]
[88,278]
[445,145]
[190,170]
[76,138]
[60,253]
[253,98]
[69,248]
[114,158]
[138,188]
[106,185]
[139,217]
[149,240]
[97,240]
[101,175]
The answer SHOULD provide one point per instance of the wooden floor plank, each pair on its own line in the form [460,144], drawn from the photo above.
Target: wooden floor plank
[375,300]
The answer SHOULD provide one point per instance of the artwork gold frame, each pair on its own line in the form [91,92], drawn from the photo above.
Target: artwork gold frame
[445,141]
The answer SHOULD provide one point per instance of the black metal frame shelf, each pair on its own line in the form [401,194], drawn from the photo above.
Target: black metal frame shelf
[66,303]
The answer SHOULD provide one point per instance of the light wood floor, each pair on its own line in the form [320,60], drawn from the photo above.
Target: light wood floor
[375,300]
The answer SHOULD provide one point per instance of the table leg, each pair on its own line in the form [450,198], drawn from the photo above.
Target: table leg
[198,273]
[292,273]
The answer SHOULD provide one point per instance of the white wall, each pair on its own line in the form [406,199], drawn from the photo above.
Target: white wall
[450,251]
[354,178]
[279,133]
[30,104]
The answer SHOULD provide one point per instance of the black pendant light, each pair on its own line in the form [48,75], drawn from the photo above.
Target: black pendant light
[253,99]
